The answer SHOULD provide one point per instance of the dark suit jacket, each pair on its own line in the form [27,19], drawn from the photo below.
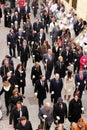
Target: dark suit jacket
[60,69]
[67,59]
[56,87]
[20,76]
[41,90]
[81,81]
[24,54]
[27,126]
[35,72]
[75,110]
[37,27]
[61,112]
[15,115]
[41,41]
[14,18]
[50,63]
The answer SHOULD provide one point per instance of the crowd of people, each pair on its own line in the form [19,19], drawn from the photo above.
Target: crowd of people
[62,57]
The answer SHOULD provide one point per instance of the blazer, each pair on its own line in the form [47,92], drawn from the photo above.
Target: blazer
[41,89]
[15,115]
[41,40]
[24,54]
[27,126]
[61,112]
[35,73]
[56,87]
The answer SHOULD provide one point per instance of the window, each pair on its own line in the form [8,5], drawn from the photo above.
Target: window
[74,4]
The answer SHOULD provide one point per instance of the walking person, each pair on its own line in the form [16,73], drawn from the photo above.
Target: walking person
[17,112]
[24,54]
[56,85]
[41,89]
[46,116]
[20,76]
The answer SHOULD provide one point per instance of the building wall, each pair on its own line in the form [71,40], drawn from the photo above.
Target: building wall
[81,9]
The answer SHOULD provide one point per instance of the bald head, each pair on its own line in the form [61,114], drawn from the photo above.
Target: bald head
[47,106]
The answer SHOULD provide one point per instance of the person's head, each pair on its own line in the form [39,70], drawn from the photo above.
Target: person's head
[23,120]
[24,42]
[40,127]
[60,58]
[60,127]
[28,20]
[69,73]
[6,62]
[37,20]
[60,100]
[6,85]
[15,92]
[20,30]
[16,13]
[76,96]
[19,67]
[57,76]
[16,23]
[80,72]
[37,64]
[41,30]
[42,78]
[49,51]
[47,106]
[67,48]
[18,105]
[53,19]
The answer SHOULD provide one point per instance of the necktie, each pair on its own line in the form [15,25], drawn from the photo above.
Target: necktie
[81,77]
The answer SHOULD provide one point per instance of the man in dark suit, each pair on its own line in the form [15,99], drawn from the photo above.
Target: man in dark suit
[20,36]
[46,20]
[26,11]
[41,36]
[17,112]
[56,51]
[16,17]
[80,82]
[67,55]
[19,10]
[37,25]
[11,42]
[59,111]
[60,67]
[7,16]
[56,85]
[41,88]
[24,53]
[24,124]
[48,61]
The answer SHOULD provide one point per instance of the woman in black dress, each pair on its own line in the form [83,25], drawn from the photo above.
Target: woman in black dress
[20,76]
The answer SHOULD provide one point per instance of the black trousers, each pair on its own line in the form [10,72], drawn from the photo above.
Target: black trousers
[40,102]
[23,89]
[12,51]
[24,63]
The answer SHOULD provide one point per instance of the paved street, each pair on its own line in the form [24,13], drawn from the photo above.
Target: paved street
[30,100]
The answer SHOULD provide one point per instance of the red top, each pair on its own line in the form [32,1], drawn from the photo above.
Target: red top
[21,3]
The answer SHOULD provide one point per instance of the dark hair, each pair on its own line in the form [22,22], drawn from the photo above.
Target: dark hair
[40,127]
[69,74]
[22,118]
[18,66]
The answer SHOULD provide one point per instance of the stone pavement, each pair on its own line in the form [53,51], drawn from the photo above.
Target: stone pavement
[30,100]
